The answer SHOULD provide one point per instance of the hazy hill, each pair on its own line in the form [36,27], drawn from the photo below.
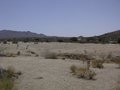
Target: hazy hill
[18,34]
[113,36]
[104,38]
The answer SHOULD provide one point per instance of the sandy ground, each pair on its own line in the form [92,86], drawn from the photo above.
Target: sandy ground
[54,74]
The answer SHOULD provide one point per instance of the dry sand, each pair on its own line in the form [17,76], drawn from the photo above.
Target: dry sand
[54,74]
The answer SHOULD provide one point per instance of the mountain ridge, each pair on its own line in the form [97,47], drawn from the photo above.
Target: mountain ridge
[107,37]
[18,34]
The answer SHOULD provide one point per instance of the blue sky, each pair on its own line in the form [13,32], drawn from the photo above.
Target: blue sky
[61,17]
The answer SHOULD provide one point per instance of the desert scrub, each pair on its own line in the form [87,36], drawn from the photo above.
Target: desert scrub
[50,55]
[6,84]
[73,69]
[86,74]
[117,60]
[74,56]
[117,86]
[97,64]
[82,72]
[18,53]
[7,78]
[5,42]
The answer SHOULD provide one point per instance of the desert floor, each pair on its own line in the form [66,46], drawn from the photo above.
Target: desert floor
[39,73]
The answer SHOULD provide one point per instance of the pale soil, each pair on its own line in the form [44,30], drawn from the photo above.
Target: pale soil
[54,74]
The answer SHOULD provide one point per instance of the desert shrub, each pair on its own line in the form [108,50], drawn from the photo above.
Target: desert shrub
[32,52]
[73,69]
[18,53]
[35,42]
[15,42]
[50,55]
[80,72]
[10,72]
[83,72]
[116,60]
[118,40]
[6,84]
[97,64]
[7,78]
[74,39]
[36,55]
[4,42]
[117,86]
[73,56]
[10,55]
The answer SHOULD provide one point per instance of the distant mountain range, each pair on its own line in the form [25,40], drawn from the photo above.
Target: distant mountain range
[18,34]
[7,34]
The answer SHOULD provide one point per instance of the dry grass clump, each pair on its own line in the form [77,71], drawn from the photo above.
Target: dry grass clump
[97,64]
[83,72]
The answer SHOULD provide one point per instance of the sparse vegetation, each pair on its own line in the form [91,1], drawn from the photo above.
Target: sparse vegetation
[6,84]
[118,40]
[50,55]
[4,42]
[15,42]
[97,64]
[82,72]
[31,52]
[18,53]
[73,69]
[7,78]
[117,60]
[85,73]
[73,56]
